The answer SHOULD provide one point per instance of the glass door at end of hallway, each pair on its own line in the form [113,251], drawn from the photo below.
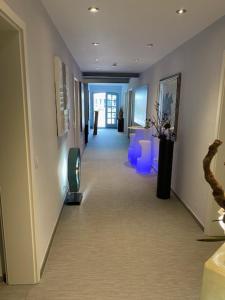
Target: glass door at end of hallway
[107,106]
[112,100]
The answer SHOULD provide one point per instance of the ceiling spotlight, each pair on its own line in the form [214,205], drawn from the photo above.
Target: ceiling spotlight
[93,9]
[95,44]
[181,11]
[150,45]
[97,60]
[137,60]
[114,64]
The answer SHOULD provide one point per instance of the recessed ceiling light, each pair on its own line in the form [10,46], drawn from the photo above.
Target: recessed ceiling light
[93,9]
[95,44]
[97,59]
[150,45]
[181,11]
[114,64]
[137,60]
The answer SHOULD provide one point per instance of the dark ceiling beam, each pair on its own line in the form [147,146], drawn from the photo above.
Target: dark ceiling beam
[105,80]
[110,75]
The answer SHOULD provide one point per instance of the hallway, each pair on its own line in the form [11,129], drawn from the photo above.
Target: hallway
[122,242]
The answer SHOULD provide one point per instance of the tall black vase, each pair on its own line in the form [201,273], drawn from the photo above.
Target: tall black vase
[121,125]
[165,163]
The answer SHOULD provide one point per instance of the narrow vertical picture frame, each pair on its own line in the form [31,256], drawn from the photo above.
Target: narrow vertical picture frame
[82,106]
[61,96]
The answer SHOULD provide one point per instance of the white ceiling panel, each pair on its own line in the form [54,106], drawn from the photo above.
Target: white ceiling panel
[124,28]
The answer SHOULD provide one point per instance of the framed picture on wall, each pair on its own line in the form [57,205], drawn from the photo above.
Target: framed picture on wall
[169,98]
[82,106]
[140,101]
[61,96]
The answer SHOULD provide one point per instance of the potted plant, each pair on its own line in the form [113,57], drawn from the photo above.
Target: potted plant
[166,135]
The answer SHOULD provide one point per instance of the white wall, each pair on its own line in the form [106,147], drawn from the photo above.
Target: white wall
[200,61]
[219,170]
[50,176]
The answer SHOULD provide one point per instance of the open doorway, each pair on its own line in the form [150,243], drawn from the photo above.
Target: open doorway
[17,242]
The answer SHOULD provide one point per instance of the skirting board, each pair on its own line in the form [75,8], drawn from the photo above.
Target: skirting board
[189,210]
[50,243]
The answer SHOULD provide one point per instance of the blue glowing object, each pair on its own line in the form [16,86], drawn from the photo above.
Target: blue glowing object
[141,152]
[144,162]
[133,154]
[134,150]
[144,168]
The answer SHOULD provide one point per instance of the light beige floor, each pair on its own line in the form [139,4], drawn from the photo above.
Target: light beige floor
[122,243]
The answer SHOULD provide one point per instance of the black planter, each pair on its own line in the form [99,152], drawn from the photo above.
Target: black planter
[86,133]
[121,125]
[165,163]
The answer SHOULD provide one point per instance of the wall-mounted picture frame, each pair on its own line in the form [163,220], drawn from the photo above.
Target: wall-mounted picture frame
[82,106]
[140,103]
[169,99]
[61,96]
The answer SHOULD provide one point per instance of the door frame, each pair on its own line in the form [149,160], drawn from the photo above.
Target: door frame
[130,106]
[9,15]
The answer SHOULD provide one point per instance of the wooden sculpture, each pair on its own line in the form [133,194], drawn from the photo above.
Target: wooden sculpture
[218,191]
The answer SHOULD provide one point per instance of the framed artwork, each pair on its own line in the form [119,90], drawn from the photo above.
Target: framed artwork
[140,105]
[169,97]
[81,104]
[62,96]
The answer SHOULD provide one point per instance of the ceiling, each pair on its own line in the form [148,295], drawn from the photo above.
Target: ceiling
[124,28]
